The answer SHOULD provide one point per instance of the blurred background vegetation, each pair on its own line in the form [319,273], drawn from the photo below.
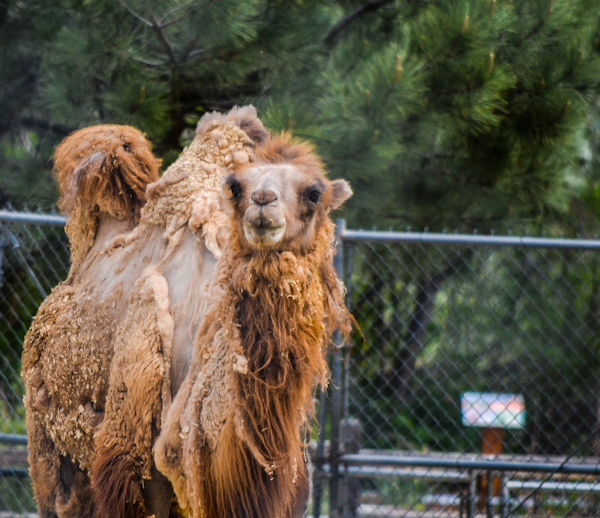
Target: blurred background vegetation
[443,115]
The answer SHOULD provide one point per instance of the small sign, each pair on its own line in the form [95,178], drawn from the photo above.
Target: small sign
[490,410]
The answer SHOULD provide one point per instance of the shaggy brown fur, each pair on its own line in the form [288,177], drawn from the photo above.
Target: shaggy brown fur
[102,170]
[232,444]
[102,174]
[187,198]
[277,301]
[133,409]
[150,334]
[107,168]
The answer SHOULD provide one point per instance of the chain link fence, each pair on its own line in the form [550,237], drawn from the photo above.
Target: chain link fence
[34,257]
[507,326]
[445,318]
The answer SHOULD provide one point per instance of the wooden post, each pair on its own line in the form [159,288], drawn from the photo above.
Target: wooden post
[491,444]
[491,441]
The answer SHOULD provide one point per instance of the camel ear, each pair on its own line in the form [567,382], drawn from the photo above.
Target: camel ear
[340,192]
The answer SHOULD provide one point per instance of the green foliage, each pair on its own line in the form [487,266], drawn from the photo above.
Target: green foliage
[158,66]
[443,114]
[16,496]
[26,171]
[476,123]
[505,321]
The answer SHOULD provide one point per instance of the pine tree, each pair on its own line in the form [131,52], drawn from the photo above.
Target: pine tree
[155,65]
[455,114]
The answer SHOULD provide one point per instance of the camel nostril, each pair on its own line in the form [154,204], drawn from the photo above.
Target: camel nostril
[264,197]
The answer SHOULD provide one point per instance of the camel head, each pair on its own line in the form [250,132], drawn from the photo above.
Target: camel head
[279,199]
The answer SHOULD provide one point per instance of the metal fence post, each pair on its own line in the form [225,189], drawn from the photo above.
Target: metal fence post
[320,456]
[471,497]
[351,428]
[505,497]
[352,433]
[3,244]
[348,285]
[489,495]
[336,391]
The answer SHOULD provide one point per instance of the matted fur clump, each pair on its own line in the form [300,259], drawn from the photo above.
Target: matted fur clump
[102,170]
[189,192]
[173,372]
[107,167]
[233,444]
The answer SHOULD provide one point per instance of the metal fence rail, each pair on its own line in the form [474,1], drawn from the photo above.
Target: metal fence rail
[442,314]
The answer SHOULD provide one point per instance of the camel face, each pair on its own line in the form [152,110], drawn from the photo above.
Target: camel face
[278,204]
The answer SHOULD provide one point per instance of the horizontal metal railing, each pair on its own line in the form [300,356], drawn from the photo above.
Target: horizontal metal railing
[470,464]
[32,217]
[13,438]
[368,235]
[467,240]
[554,486]
[465,471]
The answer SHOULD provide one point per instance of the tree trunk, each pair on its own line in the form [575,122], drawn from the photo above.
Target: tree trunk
[404,363]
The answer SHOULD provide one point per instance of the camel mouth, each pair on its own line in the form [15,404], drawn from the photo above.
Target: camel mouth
[264,236]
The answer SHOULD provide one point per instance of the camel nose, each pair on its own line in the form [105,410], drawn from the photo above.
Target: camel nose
[264,197]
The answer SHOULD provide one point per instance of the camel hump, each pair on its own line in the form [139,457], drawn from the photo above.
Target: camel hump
[245,117]
[105,169]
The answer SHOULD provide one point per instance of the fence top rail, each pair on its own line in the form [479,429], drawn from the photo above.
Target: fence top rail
[32,217]
[374,235]
[355,236]
[12,438]
[479,464]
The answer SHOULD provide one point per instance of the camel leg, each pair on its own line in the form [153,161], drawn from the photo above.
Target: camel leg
[60,487]
[75,498]
[44,468]
[158,494]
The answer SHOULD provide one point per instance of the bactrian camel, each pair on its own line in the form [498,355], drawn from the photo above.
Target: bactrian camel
[173,372]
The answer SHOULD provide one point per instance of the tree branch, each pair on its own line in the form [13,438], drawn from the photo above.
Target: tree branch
[189,52]
[147,63]
[196,52]
[373,5]
[172,22]
[158,29]
[178,8]
[136,15]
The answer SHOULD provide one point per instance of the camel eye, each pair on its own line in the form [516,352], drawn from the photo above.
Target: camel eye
[314,195]
[236,188]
